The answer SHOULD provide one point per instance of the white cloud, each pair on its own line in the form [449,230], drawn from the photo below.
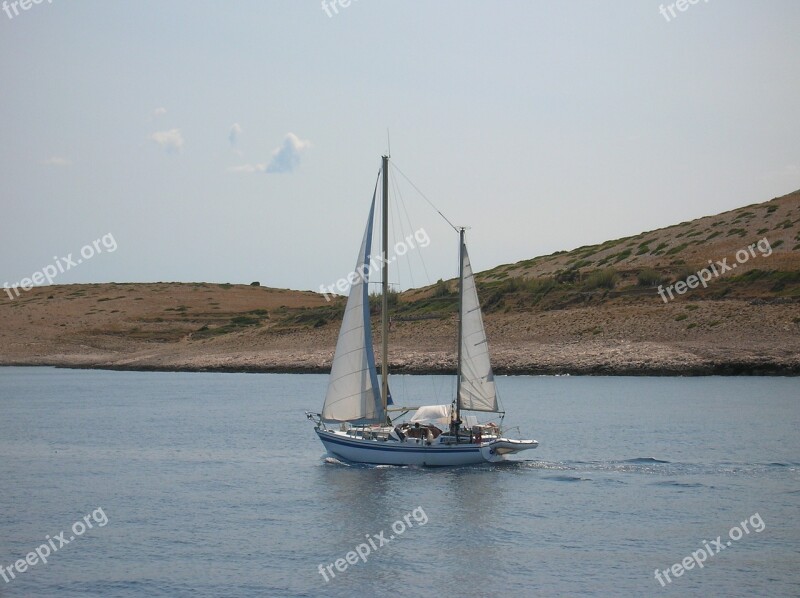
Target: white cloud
[233,136]
[159,112]
[286,157]
[57,161]
[171,140]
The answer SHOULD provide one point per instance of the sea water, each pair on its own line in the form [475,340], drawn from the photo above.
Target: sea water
[199,484]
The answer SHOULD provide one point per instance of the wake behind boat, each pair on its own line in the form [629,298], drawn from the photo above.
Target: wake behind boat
[355,423]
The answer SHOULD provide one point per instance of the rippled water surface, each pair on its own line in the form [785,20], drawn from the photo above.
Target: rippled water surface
[216,485]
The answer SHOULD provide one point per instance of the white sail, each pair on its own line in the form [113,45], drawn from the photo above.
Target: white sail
[478,392]
[353,391]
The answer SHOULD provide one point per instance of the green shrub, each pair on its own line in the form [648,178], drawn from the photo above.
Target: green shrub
[622,255]
[683,274]
[649,278]
[376,301]
[244,321]
[534,286]
[566,276]
[441,289]
[677,249]
[602,279]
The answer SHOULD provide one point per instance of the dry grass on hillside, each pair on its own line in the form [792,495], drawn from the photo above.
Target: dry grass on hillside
[594,309]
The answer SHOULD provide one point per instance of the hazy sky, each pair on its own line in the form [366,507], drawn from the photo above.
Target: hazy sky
[239,141]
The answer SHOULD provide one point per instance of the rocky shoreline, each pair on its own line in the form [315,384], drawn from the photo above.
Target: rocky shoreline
[724,369]
[593,358]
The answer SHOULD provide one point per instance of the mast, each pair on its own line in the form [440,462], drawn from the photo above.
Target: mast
[460,319]
[385,289]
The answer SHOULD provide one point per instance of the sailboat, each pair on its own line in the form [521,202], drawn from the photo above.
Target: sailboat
[356,423]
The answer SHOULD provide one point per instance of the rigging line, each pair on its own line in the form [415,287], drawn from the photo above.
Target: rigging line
[394,259]
[402,239]
[453,226]
[411,228]
[397,203]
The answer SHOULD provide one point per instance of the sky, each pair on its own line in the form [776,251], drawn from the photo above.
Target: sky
[239,141]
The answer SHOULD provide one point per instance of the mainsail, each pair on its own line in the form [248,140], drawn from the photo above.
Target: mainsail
[354,391]
[478,392]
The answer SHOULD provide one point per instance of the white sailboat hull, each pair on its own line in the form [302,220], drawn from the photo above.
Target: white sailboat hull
[389,452]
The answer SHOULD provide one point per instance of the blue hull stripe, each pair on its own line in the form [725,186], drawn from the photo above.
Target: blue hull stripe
[395,449]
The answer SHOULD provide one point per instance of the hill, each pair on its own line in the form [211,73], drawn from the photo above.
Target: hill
[720,294]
